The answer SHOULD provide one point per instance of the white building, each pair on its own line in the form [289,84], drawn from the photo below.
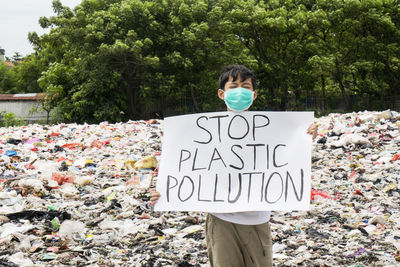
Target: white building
[24,106]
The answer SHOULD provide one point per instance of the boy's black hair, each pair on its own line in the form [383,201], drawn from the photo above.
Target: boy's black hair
[235,71]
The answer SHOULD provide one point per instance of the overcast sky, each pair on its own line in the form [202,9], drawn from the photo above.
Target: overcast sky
[18,17]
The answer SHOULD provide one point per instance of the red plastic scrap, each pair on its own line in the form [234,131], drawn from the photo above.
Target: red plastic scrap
[62,178]
[71,145]
[61,158]
[337,196]
[358,192]
[396,157]
[319,193]
[144,216]
[29,166]
[54,134]
[100,144]
[53,249]
[357,121]
[64,247]
[353,174]
[96,143]
[152,121]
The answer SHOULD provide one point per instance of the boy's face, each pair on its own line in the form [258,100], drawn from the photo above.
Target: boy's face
[230,84]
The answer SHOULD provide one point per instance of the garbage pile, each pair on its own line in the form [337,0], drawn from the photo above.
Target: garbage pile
[78,195]
[354,218]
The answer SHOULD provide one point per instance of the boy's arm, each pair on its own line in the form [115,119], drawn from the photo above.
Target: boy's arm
[313,130]
[155,195]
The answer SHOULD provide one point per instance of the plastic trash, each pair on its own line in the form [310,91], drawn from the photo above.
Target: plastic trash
[72,230]
[95,210]
[318,193]
[38,215]
[9,198]
[141,181]
[48,256]
[62,178]
[14,141]
[11,153]
[84,180]
[34,184]
[149,162]
[20,259]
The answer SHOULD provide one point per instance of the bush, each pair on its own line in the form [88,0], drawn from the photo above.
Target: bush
[9,119]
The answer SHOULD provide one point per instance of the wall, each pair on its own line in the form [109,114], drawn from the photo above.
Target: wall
[23,109]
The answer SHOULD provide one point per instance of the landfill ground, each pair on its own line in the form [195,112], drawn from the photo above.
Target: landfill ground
[76,195]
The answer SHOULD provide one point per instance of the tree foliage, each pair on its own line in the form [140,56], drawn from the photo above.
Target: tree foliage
[27,74]
[131,59]
[306,47]
[23,75]
[7,79]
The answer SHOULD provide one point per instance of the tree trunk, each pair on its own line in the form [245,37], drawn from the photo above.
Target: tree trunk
[323,94]
[339,79]
[130,101]
[284,98]
[344,95]
[196,107]
[272,92]
[130,93]
[284,95]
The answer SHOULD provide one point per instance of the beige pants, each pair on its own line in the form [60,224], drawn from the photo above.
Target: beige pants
[237,245]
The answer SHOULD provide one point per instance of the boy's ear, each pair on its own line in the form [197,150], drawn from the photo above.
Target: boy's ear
[255,95]
[221,94]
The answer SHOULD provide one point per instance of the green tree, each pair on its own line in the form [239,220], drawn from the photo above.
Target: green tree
[128,56]
[7,79]
[129,59]
[319,47]
[27,74]
[276,34]
[362,34]
[17,57]
[91,60]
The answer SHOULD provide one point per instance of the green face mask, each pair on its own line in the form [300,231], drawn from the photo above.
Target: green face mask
[238,99]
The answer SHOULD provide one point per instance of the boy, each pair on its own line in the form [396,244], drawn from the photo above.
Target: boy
[240,238]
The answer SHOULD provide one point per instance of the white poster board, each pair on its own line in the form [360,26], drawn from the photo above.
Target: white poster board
[232,162]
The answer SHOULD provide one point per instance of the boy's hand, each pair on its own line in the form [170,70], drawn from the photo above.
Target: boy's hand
[313,130]
[155,195]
